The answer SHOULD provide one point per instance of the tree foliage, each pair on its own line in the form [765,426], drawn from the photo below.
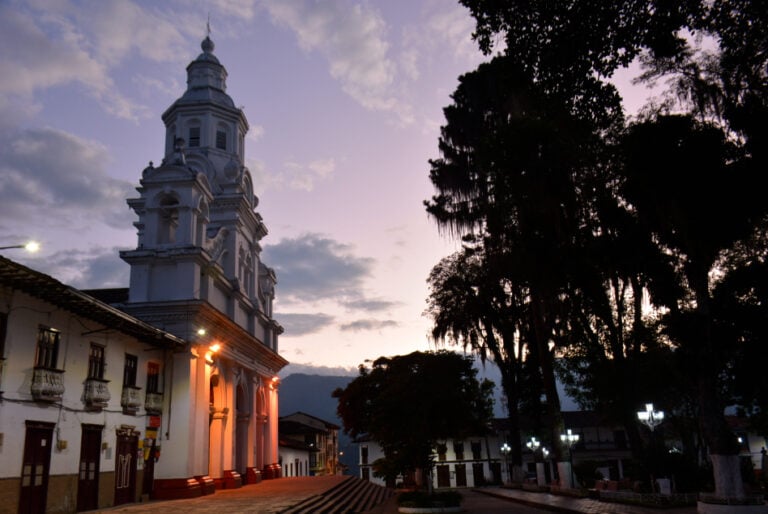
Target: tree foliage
[407,404]
[629,243]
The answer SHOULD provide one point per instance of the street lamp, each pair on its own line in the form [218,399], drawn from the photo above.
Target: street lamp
[505,449]
[533,444]
[649,417]
[31,247]
[570,439]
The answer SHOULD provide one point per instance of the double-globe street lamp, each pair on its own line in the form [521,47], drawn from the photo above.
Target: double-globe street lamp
[505,449]
[649,417]
[570,439]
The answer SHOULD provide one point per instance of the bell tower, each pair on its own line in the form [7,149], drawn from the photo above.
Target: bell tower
[197,272]
[198,229]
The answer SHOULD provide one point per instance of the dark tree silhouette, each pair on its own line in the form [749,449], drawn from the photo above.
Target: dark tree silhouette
[409,403]
[470,305]
[523,166]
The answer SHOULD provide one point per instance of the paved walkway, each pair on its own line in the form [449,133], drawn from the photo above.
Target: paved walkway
[274,496]
[556,503]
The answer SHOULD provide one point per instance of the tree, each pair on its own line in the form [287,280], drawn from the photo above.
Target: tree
[569,49]
[696,229]
[470,305]
[408,404]
[511,159]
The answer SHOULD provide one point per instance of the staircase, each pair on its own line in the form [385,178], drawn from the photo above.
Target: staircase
[351,496]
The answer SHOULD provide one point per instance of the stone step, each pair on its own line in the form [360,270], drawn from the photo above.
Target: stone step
[352,495]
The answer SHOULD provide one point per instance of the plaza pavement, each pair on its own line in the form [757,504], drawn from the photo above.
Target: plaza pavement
[275,496]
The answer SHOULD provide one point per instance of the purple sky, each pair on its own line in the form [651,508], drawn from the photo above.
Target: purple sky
[344,100]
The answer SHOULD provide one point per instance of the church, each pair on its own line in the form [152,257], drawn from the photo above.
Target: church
[166,389]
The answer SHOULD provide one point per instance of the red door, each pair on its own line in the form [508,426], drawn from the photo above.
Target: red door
[88,479]
[35,467]
[125,466]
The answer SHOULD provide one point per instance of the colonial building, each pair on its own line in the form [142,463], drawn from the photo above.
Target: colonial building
[481,460]
[206,415]
[305,436]
[84,388]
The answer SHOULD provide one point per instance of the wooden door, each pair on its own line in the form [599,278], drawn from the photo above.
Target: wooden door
[461,475]
[443,476]
[88,478]
[126,451]
[477,474]
[35,467]
[496,472]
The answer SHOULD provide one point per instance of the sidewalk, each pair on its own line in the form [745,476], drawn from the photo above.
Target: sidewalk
[556,503]
[275,496]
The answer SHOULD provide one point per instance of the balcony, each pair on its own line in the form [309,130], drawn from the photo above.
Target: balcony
[47,384]
[130,400]
[153,403]
[96,395]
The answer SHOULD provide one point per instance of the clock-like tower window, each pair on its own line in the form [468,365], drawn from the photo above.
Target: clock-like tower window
[194,136]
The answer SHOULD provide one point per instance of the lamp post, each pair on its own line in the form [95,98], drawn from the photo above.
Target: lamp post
[31,247]
[533,445]
[570,439]
[505,449]
[651,418]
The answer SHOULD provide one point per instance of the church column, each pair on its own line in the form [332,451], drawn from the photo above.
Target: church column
[181,427]
[271,446]
[230,477]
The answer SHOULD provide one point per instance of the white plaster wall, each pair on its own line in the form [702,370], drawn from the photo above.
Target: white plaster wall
[288,458]
[25,316]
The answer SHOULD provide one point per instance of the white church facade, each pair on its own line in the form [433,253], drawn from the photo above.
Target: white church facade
[168,388]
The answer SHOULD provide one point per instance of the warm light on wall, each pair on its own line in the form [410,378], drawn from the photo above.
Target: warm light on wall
[274,382]
[215,347]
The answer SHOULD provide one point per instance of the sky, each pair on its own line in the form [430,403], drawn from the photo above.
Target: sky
[344,101]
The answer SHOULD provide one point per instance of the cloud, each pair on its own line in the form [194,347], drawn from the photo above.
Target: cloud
[33,59]
[92,268]
[296,324]
[304,176]
[313,267]
[53,175]
[353,40]
[255,133]
[368,324]
[45,44]
[294,175]
[370,305]
[237,8]
[452,29]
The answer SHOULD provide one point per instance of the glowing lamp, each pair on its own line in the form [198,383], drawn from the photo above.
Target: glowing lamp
[31,247]
[649,417]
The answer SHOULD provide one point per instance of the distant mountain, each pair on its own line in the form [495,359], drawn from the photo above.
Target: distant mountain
[311,394]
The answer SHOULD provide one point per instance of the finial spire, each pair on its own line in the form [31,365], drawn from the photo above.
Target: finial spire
[207,44]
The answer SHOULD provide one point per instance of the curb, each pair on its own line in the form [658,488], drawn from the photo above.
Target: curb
[542,506]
